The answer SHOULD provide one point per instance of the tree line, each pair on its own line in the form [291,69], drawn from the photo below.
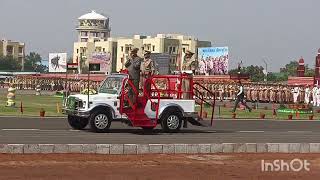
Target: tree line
[32,63]
[256,73]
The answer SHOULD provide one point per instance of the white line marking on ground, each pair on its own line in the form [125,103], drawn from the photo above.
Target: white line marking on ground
[300,131]
[54,130]
[251,131]
[20,129]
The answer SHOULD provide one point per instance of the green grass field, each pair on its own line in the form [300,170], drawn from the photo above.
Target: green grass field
[31,105]
[225,113]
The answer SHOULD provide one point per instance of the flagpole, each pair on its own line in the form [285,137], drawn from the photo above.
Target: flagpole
[65,86]
[88,85]
[66,81]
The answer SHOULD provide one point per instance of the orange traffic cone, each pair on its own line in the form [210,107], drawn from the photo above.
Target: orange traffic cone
[21,107]
[297,114]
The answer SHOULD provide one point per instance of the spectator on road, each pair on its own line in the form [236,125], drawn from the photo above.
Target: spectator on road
[240,98]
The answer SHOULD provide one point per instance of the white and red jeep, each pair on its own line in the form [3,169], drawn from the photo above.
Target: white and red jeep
[165,103]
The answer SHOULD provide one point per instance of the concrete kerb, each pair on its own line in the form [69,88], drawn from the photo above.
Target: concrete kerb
[119,149]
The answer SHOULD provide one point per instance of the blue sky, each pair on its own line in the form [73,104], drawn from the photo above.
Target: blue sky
[279,31]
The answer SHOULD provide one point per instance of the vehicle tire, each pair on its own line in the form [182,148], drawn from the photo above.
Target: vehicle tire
[77,123]
[171,121]
[100,121]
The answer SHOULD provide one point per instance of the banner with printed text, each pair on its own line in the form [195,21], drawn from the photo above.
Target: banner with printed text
[104,59]
[213,60]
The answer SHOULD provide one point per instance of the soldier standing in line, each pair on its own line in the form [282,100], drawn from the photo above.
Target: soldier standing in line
[302,94]
[318,96]
[24,83]
[133,65]
[30,82]
[261,94]
[221,91]
[290,96]
[188,65]
[272,94]
[283,92]
[21,83]
[307,95]
[248,89]
[253,93]
[266,94]
[279,93]
[234,91]
[295,92]
[314,95]
[52,85]
[147,70]
[231,92]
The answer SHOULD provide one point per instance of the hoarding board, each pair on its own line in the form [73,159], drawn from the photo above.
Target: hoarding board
[162,61]
[102,58]
[57,62]
[213,60]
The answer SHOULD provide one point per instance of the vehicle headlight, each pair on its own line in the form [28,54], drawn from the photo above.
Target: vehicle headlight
[83,104]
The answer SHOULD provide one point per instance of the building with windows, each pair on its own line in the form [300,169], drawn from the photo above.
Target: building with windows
[14,49]
[94,37]
[173,44]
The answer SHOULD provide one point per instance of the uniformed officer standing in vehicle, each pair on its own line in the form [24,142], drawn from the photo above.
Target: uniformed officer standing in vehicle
[147,69]
[133,65]
[188,65]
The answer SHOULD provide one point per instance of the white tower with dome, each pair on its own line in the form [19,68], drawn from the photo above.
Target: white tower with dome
[94,42]
[93,27]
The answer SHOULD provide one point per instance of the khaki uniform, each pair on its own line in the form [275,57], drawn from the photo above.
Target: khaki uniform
[147,69]
[248,90]
[261,94]
[187,65]
[133,65]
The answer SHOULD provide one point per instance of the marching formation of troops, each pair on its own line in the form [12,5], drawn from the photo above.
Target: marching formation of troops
[46,84]
[139,69]
[263,93]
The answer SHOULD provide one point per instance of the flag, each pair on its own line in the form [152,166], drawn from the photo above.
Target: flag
[72,66]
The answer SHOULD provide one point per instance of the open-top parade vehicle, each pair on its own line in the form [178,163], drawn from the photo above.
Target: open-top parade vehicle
[168,100]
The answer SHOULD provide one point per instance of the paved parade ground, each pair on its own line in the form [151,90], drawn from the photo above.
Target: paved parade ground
[56,131]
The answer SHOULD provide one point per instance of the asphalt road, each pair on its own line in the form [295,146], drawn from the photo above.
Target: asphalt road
[57,131]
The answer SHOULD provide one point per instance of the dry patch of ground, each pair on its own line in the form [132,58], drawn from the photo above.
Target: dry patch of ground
[151,167]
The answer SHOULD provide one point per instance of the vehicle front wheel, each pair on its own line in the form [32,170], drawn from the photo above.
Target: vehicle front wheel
[171,121]
[100,122]
[77,123]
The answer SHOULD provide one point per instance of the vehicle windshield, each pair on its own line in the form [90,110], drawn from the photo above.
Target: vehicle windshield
[111,85]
